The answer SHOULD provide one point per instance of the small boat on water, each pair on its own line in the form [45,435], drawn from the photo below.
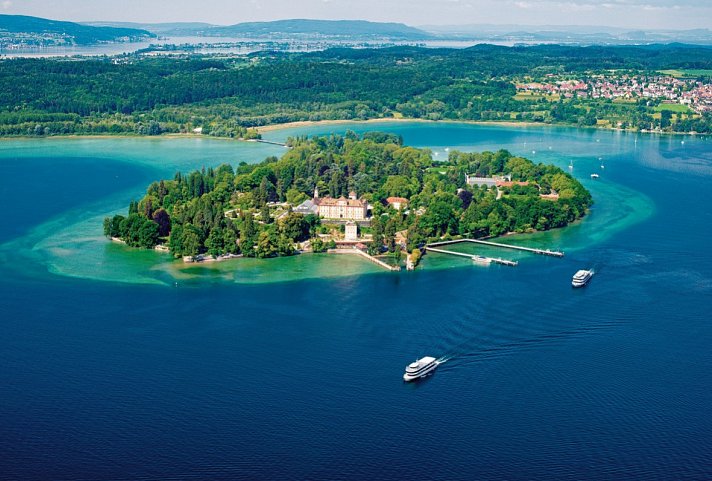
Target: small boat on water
[419,368]
[581,278]
[594,176]
[481,259]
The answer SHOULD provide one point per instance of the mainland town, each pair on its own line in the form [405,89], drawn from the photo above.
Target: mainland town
[693,93]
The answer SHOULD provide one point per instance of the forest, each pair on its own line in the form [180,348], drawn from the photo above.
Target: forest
[247,209]
[228,96]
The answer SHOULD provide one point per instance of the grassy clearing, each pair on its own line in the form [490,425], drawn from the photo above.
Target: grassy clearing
[692,73]
[621,100]
[534,96]
[678,108]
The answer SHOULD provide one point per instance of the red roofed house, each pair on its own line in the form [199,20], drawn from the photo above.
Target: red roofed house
[398,203]
[511,184]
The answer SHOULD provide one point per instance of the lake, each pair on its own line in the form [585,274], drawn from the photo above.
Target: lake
[119,364]
[233,45]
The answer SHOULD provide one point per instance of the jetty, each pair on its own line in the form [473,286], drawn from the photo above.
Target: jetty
[544,252]
[262,141]
[475,258]
[365,255]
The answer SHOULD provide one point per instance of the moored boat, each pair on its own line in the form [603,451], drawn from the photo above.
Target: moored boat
[481,259]
[581,278]
[419,368]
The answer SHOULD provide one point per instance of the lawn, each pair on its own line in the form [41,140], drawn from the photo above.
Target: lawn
[534,96]
[693,73]
[678,108]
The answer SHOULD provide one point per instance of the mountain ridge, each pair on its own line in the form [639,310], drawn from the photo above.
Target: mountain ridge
[71,32]
[299,26]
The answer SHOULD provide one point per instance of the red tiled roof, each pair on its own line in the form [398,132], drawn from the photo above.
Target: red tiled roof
[511,184]
[340,201]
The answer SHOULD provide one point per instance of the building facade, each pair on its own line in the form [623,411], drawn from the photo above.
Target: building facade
[341,208]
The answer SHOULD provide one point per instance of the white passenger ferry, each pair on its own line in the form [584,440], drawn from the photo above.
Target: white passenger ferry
[581,278]
[421,367]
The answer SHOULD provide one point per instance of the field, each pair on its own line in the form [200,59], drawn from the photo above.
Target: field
[688,73]
[534,96]
[678,108]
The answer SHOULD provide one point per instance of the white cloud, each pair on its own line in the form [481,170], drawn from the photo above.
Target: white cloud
[6,4]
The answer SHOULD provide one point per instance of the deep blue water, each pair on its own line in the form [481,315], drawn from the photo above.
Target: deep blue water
[38,188]
[302,380]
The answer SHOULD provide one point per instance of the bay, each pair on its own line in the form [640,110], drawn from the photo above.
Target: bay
[115,364]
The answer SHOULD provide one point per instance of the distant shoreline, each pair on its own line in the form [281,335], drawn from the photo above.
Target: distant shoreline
[503,123]
[121,136]
[314,123]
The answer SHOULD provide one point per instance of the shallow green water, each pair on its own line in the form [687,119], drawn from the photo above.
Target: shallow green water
[71,244]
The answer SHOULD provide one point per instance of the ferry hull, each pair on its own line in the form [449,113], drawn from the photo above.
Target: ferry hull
[408,377]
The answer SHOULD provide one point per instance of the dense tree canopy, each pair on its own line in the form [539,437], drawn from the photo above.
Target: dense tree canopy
[226,97]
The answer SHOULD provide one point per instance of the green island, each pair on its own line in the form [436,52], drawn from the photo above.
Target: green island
[366,193]
[659,88]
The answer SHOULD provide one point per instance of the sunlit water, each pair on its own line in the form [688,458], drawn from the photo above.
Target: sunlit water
[120,364]
[233,45]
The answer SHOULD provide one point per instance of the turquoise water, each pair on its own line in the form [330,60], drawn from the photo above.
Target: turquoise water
[119,364]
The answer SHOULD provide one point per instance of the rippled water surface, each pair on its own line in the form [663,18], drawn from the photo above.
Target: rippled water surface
[117,364]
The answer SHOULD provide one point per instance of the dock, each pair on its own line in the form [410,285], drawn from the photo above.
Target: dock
[544,252]
[262,141]
[365,255]
[475,258]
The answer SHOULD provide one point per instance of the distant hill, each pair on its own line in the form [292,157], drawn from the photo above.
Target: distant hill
[74,33]
[585,35]
[301,27]
[175,29]
[331,28]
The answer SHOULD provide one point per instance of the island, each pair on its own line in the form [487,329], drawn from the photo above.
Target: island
[367,193]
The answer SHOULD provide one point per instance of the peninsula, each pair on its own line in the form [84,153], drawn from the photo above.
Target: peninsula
[366,192]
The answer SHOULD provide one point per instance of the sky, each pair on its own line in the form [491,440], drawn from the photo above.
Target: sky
[645,14]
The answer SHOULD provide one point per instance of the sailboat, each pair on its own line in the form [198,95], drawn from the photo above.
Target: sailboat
[571,165]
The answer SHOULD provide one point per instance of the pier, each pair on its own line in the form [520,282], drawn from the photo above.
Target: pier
[364,254]
[475,258]
[268,142]
[543,252]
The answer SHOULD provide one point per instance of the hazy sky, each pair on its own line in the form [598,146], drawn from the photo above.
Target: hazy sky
[673,14]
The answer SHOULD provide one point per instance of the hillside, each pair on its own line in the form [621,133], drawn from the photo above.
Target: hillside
[174,29]
[567,34]
[281,28]
[22,28]
[331,28]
